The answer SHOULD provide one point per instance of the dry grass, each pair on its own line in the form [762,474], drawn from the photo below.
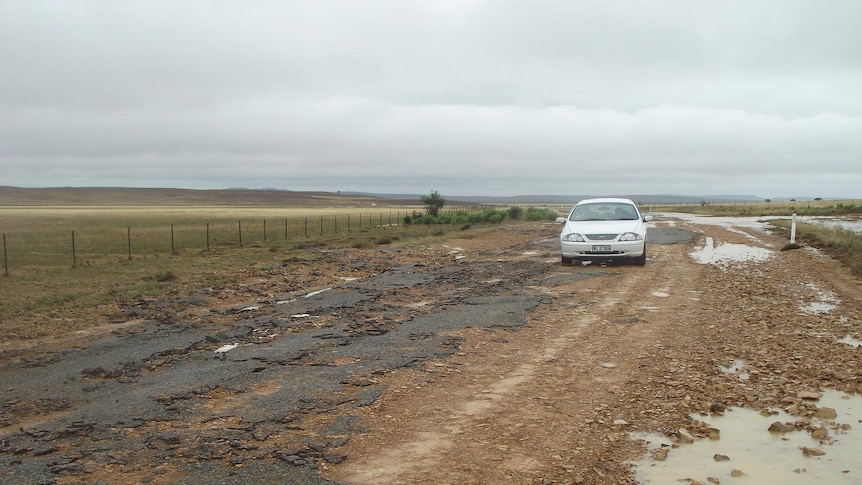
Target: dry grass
[43,276]
[756,209]
[842,244]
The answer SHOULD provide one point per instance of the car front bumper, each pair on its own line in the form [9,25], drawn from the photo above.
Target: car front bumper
[586,250]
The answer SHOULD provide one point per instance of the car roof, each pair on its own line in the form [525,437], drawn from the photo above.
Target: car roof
[606,199]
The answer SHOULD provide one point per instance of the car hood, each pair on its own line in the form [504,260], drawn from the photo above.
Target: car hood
[604,227]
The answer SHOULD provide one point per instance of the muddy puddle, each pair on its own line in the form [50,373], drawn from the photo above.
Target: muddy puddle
[849,340]
[747,452]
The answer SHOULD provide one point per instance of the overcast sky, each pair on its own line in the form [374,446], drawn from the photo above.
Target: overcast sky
[467,97]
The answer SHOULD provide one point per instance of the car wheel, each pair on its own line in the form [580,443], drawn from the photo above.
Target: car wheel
[567,261]
[641,260]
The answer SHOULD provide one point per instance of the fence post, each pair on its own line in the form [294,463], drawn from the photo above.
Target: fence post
[240,233]
[173,247]
[285,228]
[5,258]
[264,231]
[208,236]
[335,217]
[129,239]
[348,222]
[321,225]
[306,226]
[74,258]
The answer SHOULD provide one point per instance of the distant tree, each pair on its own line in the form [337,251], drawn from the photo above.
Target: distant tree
[433,202]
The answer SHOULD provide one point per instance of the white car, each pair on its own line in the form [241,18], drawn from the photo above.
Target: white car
[602,230]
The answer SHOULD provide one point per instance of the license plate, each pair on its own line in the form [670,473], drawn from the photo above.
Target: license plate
[602,249]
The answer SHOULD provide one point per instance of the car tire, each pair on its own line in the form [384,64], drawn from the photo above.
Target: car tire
[641,260]
[567,261]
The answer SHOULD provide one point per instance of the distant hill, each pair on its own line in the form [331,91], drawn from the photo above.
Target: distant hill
[114,196]
[573,199]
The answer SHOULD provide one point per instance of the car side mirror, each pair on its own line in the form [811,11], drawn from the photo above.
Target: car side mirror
[647,218]
[561,220]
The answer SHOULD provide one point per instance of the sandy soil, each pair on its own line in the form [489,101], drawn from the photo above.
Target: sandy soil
[608,351]
[637,349]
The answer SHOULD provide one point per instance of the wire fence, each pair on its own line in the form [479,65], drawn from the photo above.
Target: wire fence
[47,247]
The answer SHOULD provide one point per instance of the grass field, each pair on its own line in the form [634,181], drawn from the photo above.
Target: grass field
[783,208]
[62,257]
[68,257]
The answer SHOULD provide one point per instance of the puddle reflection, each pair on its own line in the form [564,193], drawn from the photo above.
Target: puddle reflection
[758,456]
[736,368]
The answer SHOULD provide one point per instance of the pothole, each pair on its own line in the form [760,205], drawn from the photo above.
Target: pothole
[737,368]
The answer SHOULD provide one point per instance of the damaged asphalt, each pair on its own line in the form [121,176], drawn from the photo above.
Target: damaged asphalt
[109,401]
[158,403]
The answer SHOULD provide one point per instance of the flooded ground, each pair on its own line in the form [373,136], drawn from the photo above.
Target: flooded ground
[747,448]
[850,223]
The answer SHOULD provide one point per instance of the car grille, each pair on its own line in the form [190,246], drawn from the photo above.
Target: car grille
[602,237]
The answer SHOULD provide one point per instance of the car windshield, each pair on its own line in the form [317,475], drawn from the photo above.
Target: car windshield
[604,211]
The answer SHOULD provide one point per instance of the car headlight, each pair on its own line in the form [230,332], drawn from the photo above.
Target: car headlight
[631,236]
[573,237]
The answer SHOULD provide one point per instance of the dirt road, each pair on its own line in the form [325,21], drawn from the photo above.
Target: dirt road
[479,360]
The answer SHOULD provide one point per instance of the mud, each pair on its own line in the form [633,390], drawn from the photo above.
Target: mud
[469,361]
[141,399]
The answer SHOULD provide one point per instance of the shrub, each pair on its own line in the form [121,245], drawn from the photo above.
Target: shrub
[515,212]
[434,202]
[540,214]
[164,276]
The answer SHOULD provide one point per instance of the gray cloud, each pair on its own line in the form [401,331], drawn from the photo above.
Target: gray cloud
[466,97]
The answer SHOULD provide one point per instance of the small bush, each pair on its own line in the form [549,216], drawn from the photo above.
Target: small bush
[466,226]
[540,214]
[384,240]
[515,212]
[165,276]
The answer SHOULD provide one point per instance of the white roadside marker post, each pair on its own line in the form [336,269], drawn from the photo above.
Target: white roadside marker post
[793,229]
